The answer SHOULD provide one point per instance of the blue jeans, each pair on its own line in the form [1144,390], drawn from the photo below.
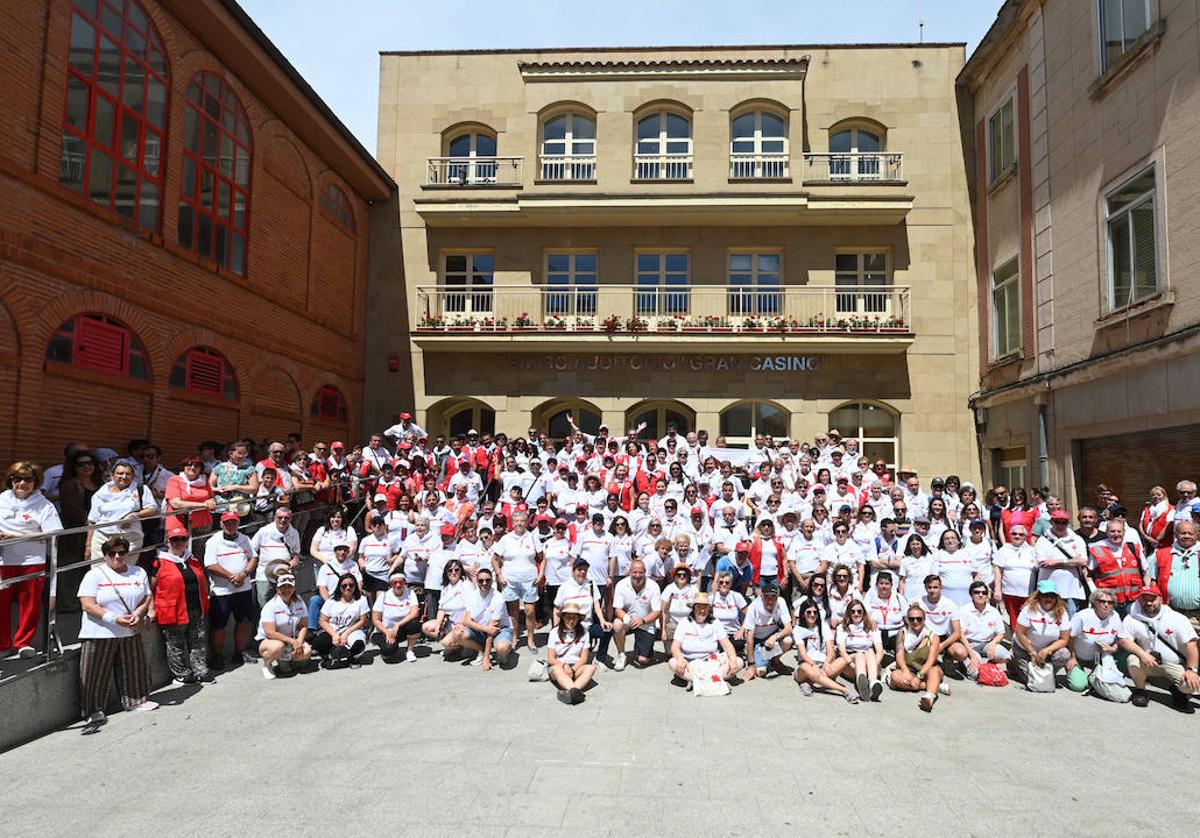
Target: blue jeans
[314,611]
[601,638]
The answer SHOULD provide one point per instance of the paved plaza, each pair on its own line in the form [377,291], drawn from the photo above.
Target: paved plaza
[439,748]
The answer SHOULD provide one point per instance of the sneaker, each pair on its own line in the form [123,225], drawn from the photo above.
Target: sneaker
[475,661]
[806,689]
[96,719]
[1139,698]
[944,688]
[27,652]
[283,667]
[576,695]
[876,689]
[184,680]
[620,662]
[564,696]
[925,702]
[851,697]
[145,707]
[247,657]
[862,685]
[411,656]
[267,672]
[688,686]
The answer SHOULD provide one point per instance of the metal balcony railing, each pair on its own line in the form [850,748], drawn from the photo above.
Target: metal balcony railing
[747,165]
[568,167]
[474,171]
[490,308]
[857,167]
[662,166]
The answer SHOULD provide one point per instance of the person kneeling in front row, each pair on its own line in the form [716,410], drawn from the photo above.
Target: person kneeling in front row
[486,625]
[1167,647]
[395,616]
[567,652]
[283,628]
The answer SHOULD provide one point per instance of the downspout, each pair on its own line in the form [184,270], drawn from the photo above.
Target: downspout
[1043,452]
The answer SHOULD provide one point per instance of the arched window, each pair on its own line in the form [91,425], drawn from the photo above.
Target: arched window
[855,154]
[553,417]
[99,343]
[336,205]
[329,405]
[875,427]
[472,417]
[205,371]
[569,147]
[658,415]
[472,158]
[214,202]
[116,110]
[742,422]
[664,147]
[758,146]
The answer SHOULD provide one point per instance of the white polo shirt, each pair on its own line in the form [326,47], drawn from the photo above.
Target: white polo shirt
[638,603]
[1088,630]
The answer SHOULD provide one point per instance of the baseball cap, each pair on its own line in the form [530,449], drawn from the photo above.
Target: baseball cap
[229,516]
[1047,586]
[1060,515]
[697,510]
[921,519]
[977,522]
[561,522]
[743,547]
[448,529]
[770,589]
[177,532]
[1149,592]
[337,444]
[405,415]
[380,496]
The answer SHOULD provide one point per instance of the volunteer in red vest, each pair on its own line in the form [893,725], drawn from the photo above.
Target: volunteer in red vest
[180,606]
[1167,647]
[1156,518]
[767,555]
[229,560]
[1116,566]
[1175,571]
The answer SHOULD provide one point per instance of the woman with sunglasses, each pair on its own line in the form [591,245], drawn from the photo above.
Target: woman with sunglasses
[117,509]
[817,590]
[396,615]
[451,605]
[1042,634]
[283,628]
[982,630]
[955,567]
[190,491]
[841,593]
[115,597]
[334,531]
[1015,566]
[729,607]
[343,618]
[699,635]
[677,599]
[1097,632]
[180,607]
[858,641]
[485,627]
[917,669]
[916,562]
[816,664]
[621,547]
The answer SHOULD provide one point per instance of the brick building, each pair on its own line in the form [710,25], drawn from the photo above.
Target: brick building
[187,232]
[1078,123]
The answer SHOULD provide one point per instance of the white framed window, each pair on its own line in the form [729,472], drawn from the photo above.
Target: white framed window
[758,146]
[663,280]
[1006,308]
[1121,23]
[1011,467]
[571,281]
[664,147]
[1132,233]
[754,280]
[858,273]
[876,428]
[467,279]
[855,154]
[1002,140]
[742,422]
[569,147]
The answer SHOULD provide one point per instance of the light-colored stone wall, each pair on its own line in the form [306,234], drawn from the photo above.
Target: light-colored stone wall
[907,90]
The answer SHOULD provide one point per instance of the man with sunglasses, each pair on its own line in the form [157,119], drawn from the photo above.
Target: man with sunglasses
[486,624]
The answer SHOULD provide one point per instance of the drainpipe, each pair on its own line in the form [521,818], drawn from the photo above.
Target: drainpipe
[1043,452]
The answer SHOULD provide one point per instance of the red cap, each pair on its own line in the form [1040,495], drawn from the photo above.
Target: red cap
[1149,592]
[449,529]
[337,444]
[404,446]
[545,516]
[743,547]
[1060,515]
[582,506]
[229,516]
[177,532]
[561,522]
[697,510]
[405,415]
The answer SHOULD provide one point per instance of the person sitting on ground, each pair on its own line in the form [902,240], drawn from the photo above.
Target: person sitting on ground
[941,615]
[1166,647]
[283,629]
[451,607]
[768,626]
[982,630]
[859,642]
[1098,633]
[700,635]
[916,668]
[395,615]
[1043,632]
[567,655]
[343,618]
[886,608]
[486,623]
[637,604]
[816,663]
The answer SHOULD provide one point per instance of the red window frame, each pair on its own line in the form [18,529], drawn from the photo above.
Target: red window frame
[123,139]
[329,404]
[336,204]
[98,343]
[205,371]
[214,199]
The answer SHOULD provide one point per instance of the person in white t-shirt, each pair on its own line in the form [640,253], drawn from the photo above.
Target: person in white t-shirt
[1097,634]
[1166,646]
[982,629]
[283,628]
[343,619]
[396,616]
[768,627]
[520,571]
[637,604]
[917,669]
[859,642]
[1043,631]
[230,562]
[701,635]
[451,605]
[115,597]
[677,598]
[1062,558]
[886,608]
[486,625]
[275,545]
[567,655]
[816,663]
[941,616]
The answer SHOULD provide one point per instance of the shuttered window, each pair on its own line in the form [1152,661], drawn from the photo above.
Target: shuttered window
[206,371]
[1131,464]
[329,404]
[101,344]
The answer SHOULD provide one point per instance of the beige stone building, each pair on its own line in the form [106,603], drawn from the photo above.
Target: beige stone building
[740,239]
[1080,122]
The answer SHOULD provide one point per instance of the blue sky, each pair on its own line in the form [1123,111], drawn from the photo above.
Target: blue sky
[336,45]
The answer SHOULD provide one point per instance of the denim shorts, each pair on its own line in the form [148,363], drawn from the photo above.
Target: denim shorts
[524,591]
[479,637]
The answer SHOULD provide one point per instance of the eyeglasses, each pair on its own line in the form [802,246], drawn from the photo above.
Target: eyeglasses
[347,586]
[808,611]
[1106,602]
[841,577]
[854,611]
[454,570]
[979,592]
[18,478]
[916,619]
[117,553]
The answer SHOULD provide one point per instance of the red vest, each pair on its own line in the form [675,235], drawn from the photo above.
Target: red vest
[1120,574]
[1165,560]
[1157,527]
[756,557]
[170,601]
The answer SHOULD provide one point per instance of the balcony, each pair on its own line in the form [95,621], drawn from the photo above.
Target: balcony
[450,172]
[567,168]
[859,167]
[750,166]
[662,166]
[874,318]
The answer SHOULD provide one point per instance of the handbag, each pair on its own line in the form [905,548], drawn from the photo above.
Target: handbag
[991,675]
[539,671]
[1039,679]
[706,677]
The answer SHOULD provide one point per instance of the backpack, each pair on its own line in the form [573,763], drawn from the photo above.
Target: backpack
[991,675]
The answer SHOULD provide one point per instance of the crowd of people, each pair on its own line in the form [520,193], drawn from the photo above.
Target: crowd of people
[802,560]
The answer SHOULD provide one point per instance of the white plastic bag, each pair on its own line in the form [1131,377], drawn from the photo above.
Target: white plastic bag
[706,677]
[539,671]
[1039,679]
